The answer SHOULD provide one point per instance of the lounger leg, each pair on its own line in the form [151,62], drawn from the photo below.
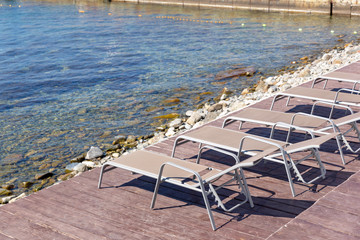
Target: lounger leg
[340,148]
[240,126]
[246,188]
[288,173]
[156,190]
[101,174]
[322,167]
[207,204]
[288,101]
[174,147]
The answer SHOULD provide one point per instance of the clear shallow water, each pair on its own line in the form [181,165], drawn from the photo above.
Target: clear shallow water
[72,76]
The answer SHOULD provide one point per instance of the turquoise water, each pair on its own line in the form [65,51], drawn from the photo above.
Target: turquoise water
[76,75]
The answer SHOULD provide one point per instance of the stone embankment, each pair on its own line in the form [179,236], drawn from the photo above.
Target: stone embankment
[266,87]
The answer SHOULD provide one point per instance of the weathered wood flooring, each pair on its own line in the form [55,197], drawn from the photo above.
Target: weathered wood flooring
[76,209]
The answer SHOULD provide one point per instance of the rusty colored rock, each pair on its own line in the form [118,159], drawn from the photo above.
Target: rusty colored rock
[238,72]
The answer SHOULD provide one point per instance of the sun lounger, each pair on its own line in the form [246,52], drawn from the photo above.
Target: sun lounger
[187,174]
[342,96]
[317,124]
[349,73]
[230,140]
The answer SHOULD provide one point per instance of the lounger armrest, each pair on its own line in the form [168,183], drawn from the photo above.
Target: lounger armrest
[179,167]
[331,104]
[251,161]
[310,143]
[347,90]
[331,122]
[276,145]
[291,127]
[237,160]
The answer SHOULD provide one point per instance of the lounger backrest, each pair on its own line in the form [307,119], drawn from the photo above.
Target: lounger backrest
[347,119]
[342,75]
[310,143]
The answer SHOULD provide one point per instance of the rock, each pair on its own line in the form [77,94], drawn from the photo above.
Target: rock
[8,186]
[189,113]
[80,167]
[245,91]
[175,123]
[170,132]
[261,86]
[211,116]
[187,126]
[131,139]
[326,57]
[89,164]
[114,148]
[304,73]
[115,155]
[215,107]
[337,61]
[195,117]
[161,128]
[79,158]
[11,181]
[66,176]
[304,58]
[245,71]
[6,200]
[106,134]
[5,192]
[94,152]
[43,175]
[119,139]
[26,184]
[70,167]
[272,89]
[171,101]
[17,198]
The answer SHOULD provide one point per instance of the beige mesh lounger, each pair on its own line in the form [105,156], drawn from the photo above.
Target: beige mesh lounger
[230,140]
[317,124]
[349,73]
[342,96]
[189,175]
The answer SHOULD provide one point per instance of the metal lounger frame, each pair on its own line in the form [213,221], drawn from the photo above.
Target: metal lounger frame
[317,130]
[321,92]
[201,185]
[286,160]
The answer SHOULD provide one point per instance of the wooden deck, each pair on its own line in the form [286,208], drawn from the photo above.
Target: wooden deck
[76,209]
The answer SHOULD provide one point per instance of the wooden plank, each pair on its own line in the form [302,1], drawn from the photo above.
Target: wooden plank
[14,226]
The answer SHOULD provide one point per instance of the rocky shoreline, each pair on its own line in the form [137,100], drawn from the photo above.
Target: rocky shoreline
[225,104]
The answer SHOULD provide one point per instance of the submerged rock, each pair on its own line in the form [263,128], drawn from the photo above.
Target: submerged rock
[119,139]
[8,186]
[168,116]
[43,175]
[245,71]
[26,184]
